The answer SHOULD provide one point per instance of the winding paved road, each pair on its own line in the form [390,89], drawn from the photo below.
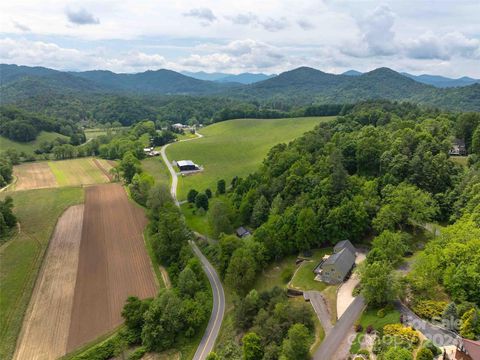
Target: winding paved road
[334,338]
[213,328]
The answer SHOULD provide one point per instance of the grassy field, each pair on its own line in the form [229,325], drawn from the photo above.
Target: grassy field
[157,168]
[94,133]
[21,256]
[304,278]
[77,172]
[272,275]
[234,148]
[31,146]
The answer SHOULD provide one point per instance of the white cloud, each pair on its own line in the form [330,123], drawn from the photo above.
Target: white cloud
[330,35]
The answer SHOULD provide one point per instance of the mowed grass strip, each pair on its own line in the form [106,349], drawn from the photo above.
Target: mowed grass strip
[21,256]
[74,172]
[234,148]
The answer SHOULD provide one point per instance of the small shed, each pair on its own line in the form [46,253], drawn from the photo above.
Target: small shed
[187,165]
[242,232]
[458,148]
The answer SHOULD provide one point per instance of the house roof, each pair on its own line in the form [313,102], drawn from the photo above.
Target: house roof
[185,163]
[241,231]
[342,260]
[459,142]
[344,244]
[472,348]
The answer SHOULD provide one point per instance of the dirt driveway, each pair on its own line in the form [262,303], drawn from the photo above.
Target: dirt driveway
[344,294]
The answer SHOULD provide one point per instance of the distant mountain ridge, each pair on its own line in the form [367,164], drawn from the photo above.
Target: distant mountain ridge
[434,80]
[243,78]
[297,87]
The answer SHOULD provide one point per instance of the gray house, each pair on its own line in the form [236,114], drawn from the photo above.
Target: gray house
[334,268]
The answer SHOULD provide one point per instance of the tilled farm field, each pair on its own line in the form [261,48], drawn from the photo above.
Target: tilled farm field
[113,263]
[36,175]
[47,321]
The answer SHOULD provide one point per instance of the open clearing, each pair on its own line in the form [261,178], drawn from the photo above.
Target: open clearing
[37,175]
[22,255]
[46,324]
[113,263]
[234,148]
[31,146]
[73,172]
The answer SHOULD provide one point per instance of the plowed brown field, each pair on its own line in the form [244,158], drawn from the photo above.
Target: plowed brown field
[46,324]
[113,263]
[36,175]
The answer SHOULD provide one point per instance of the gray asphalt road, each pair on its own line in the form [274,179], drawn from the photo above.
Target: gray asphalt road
[336,335]
[436,334]
[321,309]
[208,340]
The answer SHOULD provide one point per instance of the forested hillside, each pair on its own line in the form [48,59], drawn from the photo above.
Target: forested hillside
[80,94]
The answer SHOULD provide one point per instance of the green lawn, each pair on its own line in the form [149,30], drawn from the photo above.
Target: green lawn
[195,221]
[304,278]
[234,148]
[157,168]
[271,276]
[370,317]
[21,256]
[31,146]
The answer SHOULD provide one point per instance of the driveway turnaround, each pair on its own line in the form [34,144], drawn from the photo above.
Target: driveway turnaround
[335,337]
[208,341]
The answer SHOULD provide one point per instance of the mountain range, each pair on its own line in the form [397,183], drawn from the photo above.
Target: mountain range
[434,80]
[301,86]
[243,78]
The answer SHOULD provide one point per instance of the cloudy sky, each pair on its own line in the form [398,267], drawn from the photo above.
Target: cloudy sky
[434,36]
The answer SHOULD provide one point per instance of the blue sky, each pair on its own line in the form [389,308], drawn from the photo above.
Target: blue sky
[436,37]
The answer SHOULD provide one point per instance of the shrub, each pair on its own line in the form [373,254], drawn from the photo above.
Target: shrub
[429,309]
[369,329]
[286,274]
[381,313]
[432,347]
[192,194]
[424,354]
[107,349]
[358,328]
[208,192]
[403,332]
[137,354]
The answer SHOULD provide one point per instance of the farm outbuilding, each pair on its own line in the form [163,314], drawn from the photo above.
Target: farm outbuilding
[187,165]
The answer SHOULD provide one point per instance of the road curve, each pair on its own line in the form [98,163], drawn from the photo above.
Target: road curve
[213,328]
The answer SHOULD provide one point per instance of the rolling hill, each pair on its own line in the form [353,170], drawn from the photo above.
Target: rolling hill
[298,87]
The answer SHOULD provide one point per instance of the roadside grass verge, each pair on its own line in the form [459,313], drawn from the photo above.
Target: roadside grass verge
[21,256]
[157,168]
[234,148]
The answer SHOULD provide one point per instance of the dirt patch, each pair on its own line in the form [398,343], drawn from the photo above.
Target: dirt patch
[45,329]
[104,168]
[113,263]
[36,175]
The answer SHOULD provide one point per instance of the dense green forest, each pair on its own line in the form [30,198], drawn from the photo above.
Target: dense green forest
[104,96]
[376,176]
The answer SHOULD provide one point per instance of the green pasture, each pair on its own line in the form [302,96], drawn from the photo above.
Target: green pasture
[234,148]
[81,171]
[157,168]
[31,146]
